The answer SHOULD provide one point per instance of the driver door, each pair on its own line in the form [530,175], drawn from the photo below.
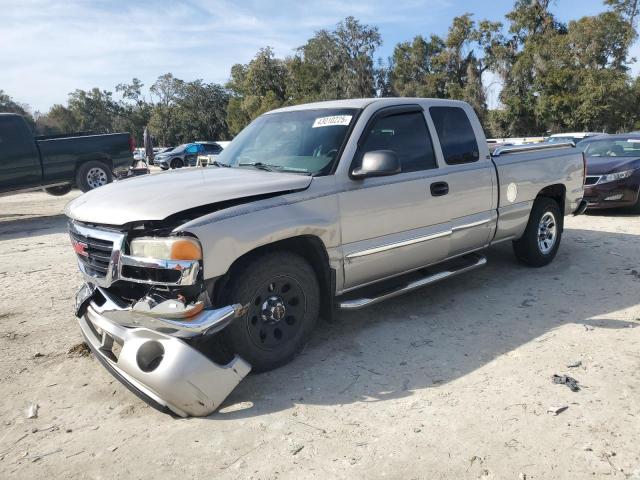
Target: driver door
[396,223]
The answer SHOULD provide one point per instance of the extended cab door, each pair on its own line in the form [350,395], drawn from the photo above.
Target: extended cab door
[19,159]
[467,168]
[396,223]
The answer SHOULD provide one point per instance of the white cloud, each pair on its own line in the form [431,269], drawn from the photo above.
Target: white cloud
[51,48]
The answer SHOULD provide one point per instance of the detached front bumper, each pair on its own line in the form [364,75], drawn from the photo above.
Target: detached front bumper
[146,355]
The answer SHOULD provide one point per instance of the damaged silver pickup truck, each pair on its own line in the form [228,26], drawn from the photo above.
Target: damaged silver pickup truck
[195,277]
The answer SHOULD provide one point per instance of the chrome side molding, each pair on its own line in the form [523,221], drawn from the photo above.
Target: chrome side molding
[530,148]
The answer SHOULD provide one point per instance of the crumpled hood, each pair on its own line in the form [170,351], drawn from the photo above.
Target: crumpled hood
[155,197]
[604,165]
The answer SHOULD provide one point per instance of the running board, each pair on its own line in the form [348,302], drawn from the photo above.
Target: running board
[475,261]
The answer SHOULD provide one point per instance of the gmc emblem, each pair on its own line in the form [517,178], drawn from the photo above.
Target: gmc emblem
[79,247]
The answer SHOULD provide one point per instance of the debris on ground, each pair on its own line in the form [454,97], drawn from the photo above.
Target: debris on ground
[38,355]
[570,382]
[297,450]
[79,350]
[557,409]
[575,364]
[32,410]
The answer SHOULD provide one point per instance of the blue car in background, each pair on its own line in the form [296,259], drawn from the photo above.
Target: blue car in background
[185,155]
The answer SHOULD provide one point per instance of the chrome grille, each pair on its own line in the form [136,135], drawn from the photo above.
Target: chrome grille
[98,252]
[94,253]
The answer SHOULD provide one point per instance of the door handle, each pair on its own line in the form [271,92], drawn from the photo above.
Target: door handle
[439,189]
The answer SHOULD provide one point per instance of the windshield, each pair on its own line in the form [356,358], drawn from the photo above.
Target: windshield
[612,148]
[304,141]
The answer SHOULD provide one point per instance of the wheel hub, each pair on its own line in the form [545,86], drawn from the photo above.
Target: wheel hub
[96,177]
[276,313]
[273,310]
[547,232]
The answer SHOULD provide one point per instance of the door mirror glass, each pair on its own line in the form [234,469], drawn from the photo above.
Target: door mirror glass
[378,163]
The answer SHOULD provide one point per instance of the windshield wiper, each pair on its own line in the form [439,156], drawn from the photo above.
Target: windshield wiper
[273,168]
[260,165]
[220,164]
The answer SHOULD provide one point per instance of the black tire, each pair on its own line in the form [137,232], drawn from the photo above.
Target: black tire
[177,163]
[636,208]
[93,174]
[270,337]
[58,191]
[531,249]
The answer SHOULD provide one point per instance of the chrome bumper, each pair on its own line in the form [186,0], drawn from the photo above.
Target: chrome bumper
[159,367]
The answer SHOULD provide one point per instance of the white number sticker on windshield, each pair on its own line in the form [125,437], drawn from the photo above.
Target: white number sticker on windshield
[332,121]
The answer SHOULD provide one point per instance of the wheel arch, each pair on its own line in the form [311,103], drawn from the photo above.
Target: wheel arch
[309,247]
[557,192]
[104,158]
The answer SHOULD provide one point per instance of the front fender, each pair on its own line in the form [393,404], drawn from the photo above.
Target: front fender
[228,234]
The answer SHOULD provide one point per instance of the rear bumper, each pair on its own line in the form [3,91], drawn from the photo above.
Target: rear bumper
[162,369]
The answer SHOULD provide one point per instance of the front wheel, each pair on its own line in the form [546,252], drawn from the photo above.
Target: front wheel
[176,163]
[283,298]
[539,244]
[92,175]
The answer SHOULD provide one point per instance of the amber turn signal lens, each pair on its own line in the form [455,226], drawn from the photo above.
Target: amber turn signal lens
[185,249]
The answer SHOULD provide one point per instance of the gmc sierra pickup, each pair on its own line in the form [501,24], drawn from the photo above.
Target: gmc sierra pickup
[195,277]
[59,162]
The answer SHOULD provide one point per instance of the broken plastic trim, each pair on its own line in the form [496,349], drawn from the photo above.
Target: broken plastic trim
[208,321]
[160,368]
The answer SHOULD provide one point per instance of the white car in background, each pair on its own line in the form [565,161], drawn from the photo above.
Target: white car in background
[210,156]
[574,137]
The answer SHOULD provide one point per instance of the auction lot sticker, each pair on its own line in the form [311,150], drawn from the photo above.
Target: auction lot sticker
[332,121]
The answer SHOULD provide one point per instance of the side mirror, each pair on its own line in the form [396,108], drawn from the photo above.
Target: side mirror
[380,163]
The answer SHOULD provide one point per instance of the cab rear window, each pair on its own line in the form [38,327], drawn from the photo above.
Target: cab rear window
[457,138]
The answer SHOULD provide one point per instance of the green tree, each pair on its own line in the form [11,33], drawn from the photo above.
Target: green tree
[255,88]
[95,110]
[201,111]
[628,9]
[59,119]
[451,67]
[9,105]
[134,111]
[163,122]
[416,70]
[336,64]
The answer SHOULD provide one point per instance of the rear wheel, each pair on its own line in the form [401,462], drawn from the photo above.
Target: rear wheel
[283,299]
[539,244]
[176,163]
[58,191]
[92,175]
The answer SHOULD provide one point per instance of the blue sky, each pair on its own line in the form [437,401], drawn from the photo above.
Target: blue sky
[50,47]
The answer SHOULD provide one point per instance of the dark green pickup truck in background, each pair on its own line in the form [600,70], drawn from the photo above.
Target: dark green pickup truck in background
[60,162]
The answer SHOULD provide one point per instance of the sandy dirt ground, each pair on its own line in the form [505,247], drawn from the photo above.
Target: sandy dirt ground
[453,381]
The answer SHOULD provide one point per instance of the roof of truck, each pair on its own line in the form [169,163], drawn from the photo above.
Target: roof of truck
[364,102]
